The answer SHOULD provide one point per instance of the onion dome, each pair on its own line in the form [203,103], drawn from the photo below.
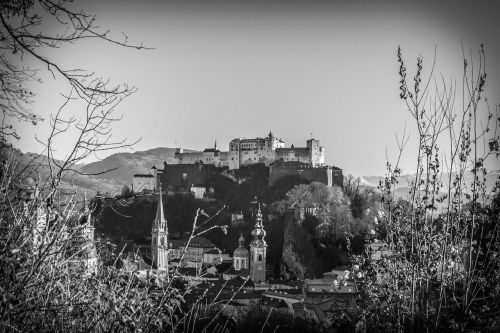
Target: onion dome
[241,251]
[258,233]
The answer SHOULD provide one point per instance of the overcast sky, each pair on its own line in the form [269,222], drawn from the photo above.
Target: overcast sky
[227,69]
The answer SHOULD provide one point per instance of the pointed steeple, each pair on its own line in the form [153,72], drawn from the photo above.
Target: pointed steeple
[215,145]
[160,223]
[159,237]
[270,134]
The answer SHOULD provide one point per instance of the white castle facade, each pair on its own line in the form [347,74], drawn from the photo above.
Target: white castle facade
[257,150]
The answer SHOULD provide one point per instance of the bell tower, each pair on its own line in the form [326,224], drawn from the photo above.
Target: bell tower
[159,233]
[258,249]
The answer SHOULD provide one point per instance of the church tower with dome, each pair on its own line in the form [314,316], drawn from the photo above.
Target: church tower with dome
[258,249]
[241,256]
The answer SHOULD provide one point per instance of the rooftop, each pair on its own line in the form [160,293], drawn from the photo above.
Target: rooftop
[196,242]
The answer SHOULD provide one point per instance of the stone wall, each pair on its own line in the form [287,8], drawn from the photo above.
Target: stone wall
[326,175]
[301,155]
[183,176]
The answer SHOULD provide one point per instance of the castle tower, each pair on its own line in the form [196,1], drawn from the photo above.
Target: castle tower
[82,253]
[240,255]
[258,249]
[159,244]
[316,153]
[89,249]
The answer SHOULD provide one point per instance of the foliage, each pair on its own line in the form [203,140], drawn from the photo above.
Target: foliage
[330,207]
[273,321]
[439,269]
[25,40]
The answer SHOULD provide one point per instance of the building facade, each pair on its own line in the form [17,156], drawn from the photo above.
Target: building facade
[192,254]
[143,182]
[243,151]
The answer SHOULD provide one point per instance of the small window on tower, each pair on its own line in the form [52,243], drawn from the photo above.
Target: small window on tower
[260,257]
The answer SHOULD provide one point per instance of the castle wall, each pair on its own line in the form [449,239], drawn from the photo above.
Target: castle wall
[337,177]
[323,175]
[186,175]
[252,151]
[217,158]
[301,155]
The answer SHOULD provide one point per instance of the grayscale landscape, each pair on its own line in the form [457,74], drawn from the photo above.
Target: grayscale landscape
[249,166]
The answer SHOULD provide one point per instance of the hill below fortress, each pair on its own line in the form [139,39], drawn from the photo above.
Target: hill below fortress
[124,165]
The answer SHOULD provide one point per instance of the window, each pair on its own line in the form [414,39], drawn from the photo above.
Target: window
[260,257]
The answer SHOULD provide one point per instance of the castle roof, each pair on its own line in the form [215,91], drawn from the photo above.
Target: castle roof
[211,150]
[199,242]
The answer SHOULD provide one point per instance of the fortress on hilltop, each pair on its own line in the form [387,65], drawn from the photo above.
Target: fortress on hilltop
[252,151]
[192,171]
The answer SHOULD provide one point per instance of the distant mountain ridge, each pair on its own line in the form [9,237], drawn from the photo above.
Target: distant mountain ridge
[30,169]
[123,166]
[403,186]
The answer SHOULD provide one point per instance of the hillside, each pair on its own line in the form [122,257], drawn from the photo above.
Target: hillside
[404,184]
[123,166]
[30,168]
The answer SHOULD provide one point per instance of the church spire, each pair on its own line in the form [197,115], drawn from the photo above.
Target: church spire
[159,237]
[160,223]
